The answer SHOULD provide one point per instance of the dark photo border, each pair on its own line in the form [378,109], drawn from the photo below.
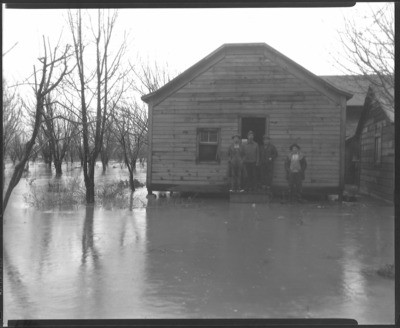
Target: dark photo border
[200,323]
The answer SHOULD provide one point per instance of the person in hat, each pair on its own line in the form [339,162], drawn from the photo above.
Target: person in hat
[251,160]
[295,166]
[235,158]
[268,154]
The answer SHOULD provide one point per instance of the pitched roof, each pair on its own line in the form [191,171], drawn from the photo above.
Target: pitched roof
[380,98]
[219,53]
[351,128]
[356,84]
[374,96]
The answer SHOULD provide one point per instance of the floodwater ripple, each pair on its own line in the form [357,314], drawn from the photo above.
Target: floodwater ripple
[179,257]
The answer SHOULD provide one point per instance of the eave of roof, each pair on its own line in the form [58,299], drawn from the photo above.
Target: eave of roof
[388,111]
[187,75]
[356,84]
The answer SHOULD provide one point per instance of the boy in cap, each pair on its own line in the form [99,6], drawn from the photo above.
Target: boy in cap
[295,166]
[235,156]
[251,160]
[268,154]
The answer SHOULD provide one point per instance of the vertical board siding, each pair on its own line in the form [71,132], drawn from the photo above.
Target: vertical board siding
[236,86]
[377,179]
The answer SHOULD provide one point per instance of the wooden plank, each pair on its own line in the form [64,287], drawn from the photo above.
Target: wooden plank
[250,94]
[241,108]
[277,121]
[251,86]
[187,104]
[150,146]
[197,183]
[342,147]
[240,97]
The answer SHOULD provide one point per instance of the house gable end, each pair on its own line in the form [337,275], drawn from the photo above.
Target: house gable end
[279,59]
[372,108]
[306,76]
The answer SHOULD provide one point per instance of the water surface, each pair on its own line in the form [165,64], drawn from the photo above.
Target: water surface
[195,257]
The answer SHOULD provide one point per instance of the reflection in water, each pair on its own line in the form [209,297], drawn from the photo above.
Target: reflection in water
[353,280]
[18,289]
[43,230]
[90,273]
[88,248]
[193,258]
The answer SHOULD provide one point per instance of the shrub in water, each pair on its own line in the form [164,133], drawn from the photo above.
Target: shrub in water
[113,195]
[71,191]
[57,193]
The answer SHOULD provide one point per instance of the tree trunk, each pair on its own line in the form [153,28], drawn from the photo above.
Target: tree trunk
[104,160]
[134,164]
[90,193]
[89,182]
[105,164]
[131,201]
[58,167]
[131,182]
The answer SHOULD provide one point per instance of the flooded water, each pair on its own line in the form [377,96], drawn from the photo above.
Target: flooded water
[178,257]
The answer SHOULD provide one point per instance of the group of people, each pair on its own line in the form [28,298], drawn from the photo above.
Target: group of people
[251,166]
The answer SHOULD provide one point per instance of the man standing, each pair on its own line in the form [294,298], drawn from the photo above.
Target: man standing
[295,166]
[251,160]
[268,155]
[235,155]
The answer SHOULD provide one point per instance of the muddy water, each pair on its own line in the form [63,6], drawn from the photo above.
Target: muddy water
[196,257]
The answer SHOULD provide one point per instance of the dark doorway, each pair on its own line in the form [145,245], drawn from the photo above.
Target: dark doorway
[255,124]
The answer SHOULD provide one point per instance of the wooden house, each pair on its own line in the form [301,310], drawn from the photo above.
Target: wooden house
[358,86]
[375,132]
[237,88]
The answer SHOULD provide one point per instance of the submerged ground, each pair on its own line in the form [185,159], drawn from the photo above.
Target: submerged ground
[178,257]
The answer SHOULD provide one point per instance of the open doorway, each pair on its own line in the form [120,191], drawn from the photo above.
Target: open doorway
[255,124]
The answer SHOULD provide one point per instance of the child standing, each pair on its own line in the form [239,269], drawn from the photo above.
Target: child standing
[295,166]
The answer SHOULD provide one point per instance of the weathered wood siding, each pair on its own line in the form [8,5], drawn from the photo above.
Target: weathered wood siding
[246,85]
[377,179]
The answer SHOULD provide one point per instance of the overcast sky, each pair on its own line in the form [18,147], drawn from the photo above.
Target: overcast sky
[181,37]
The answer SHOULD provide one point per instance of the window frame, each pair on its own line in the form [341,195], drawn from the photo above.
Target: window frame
[216,143]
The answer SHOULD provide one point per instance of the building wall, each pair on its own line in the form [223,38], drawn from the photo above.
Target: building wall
[377,178]
[241,85]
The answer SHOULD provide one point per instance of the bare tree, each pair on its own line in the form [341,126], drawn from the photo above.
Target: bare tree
[149,77]
[109,144]
[44,83]
[44,147]
[16,147]
[368,49]
[131,119]
[131,133]
[102,85]
[12,114]
[58,129]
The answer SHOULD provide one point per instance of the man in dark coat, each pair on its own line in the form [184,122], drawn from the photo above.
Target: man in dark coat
[235,157]
[251,160]
[268,154]
[295,166]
